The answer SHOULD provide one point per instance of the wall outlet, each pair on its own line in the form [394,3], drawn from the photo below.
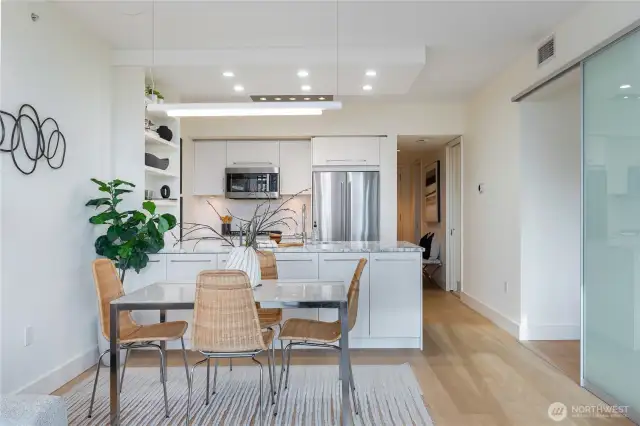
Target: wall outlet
[506,287]
[28,336]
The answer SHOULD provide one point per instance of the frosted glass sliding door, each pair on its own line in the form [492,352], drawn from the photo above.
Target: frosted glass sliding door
[611,223]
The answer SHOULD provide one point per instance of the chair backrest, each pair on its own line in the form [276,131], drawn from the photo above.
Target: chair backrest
[354,293]
[108,288]
[225,318]
[268,267]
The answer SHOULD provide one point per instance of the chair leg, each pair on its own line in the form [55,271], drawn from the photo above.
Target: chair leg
[208,375]
[261,386]
[124,368]
[190,386]
[272,367]
[95,382]
[164,380]
[184,357]
[230,364]
[279,393]
[286,382]
[215,375]
[354,396]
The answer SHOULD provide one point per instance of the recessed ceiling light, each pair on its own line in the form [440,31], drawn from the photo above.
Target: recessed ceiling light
[303,73]
[292,99]
[228,74]
[238,88]
[321,99]
[367,87]
[278,99]
[371,73]
[625,86]
[263,99]
[305,88]
[306,99]
[626,97]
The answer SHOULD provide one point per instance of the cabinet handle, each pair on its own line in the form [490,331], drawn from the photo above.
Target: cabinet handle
[252,162]
[153,261]
[394,260]
[343,260]
[190,261]
[294,260]
[349,159]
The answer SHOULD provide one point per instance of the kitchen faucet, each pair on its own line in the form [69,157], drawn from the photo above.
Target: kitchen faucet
[304,224]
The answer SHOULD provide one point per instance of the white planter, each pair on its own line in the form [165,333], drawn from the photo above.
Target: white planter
[245,259]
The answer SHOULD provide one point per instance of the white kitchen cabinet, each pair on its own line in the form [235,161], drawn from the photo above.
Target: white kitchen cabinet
[209,162]
[295,167]
[395,295]
[298,266]
[341,266]
[154,272]
[253,154]
[222,260]
[346,151]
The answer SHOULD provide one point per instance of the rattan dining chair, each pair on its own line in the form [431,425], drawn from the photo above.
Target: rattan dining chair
[132,335]
[226,325]
[305,332]
[270,317]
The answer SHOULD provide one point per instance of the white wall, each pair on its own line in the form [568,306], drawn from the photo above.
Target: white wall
[46,275]
[493,156]
[371,118]
[550,206]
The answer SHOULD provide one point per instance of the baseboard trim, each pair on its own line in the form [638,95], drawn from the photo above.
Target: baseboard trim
[492,315]
[56,378]
[549,332]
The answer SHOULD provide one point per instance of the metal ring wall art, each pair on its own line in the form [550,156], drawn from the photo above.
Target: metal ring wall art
[48,141]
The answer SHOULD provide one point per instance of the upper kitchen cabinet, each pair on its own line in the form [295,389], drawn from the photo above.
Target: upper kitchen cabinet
[346,151]
[209,161]
[253,154]
[295,167]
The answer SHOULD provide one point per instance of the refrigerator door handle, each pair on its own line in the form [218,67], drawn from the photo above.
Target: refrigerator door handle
[344,217]
[347,208]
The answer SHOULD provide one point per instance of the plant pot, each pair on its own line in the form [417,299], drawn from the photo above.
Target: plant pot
[245,259]
[153,98]
[160,100]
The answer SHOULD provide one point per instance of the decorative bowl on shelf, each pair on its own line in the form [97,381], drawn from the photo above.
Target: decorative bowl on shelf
[153,161]
[165,133]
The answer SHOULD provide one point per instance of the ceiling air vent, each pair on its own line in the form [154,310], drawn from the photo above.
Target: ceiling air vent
[547,50]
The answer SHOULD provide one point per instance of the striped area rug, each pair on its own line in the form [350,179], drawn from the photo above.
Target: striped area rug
[388,395]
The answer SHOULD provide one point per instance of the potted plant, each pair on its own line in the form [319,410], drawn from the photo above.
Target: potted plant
[153,95]
[131,235]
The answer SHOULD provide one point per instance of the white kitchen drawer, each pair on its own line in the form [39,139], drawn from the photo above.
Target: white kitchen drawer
[346,151]
[341,266]
[298,266]
[253,154]
[187,266]
[155,271]
[222,260]
[395,295]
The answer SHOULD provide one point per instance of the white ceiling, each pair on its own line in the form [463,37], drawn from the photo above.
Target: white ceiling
[413,147]
[421,50]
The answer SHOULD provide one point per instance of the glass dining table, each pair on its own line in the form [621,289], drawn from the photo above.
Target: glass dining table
[286,294]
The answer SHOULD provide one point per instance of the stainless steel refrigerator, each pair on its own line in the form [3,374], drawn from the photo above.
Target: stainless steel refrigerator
[346,205]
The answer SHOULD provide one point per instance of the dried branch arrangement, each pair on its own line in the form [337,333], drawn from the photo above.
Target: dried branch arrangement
[264,218]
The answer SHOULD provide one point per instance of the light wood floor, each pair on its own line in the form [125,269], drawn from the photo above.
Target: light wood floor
[563,354]
[471,372]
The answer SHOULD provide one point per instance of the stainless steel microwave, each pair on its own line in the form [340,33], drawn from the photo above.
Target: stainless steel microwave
[252,182]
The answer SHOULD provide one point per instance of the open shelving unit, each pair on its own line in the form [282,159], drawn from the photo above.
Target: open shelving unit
[160,172]
[165,203]
[152,138]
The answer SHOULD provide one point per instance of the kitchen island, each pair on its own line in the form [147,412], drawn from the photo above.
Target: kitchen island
[390,300]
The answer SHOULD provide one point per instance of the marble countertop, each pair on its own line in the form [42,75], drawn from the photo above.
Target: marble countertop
[214,247]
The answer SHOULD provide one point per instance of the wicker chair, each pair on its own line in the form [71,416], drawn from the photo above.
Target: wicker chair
[132,335]
[226,325]
[304,332]
[270,317]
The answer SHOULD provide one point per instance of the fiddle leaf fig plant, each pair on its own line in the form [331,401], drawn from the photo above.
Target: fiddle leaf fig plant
[131,235]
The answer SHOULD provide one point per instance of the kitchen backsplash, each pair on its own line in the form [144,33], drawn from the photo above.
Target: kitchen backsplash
[201,212]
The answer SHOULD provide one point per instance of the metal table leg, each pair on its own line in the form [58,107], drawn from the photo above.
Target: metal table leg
[114,368]
[163,344]
[343,315]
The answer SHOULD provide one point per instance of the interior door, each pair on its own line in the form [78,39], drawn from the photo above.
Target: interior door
[405,207]
[455,251]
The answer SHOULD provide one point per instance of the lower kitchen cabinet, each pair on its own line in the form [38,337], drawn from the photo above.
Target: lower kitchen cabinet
[155,271]
[395,295]
[341,266]
[293,266]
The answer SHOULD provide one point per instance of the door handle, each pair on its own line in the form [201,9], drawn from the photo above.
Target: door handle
[342,260]
[252,162]
[342,230]
[393,260]
[190,261]
[153,261]
[294,260]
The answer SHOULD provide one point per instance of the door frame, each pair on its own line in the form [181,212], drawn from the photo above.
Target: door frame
[449,214]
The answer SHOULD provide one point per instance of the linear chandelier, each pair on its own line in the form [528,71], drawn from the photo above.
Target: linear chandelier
[243,109]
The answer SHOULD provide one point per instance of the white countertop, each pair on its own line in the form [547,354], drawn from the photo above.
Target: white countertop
[214,247]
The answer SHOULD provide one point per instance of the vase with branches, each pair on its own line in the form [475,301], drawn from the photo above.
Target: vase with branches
[243,256]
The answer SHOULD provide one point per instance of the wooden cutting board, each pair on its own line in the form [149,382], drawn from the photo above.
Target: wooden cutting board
[291,245]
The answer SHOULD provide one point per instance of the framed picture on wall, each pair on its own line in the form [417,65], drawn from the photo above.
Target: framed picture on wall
[432,192]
